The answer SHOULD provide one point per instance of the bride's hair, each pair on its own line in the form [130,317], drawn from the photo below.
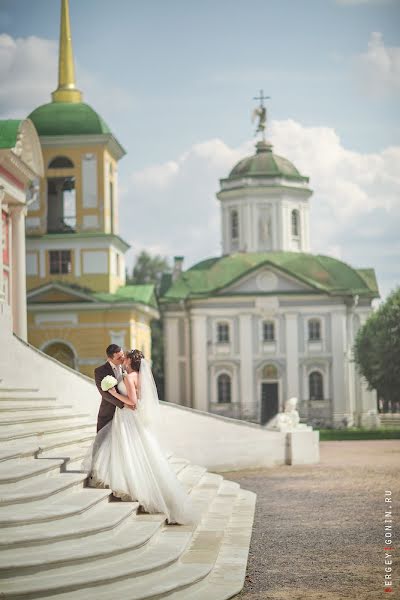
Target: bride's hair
[135,356]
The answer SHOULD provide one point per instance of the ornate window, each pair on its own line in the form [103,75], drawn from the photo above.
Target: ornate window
[268,331]
[314,330]
[61,162]
[316,386]
[223,332]
[224,388]
[295,223]
[269,372]
[60,262]
[234,225]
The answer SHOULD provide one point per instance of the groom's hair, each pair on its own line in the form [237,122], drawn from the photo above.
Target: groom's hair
[112,349]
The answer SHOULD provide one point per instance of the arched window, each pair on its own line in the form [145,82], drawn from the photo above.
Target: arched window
[268,331]
[295,223]
[235,225]
[223,332]
[61,162]
[61,352]
[61,204]
[224,388]
[316,386]
[314,330]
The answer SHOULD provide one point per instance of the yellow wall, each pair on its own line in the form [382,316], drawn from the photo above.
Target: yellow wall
[92,333]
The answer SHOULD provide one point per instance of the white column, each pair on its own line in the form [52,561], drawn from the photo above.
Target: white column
[198,368]
[170,358]
[18,274]
[341,400]
[247,396]
[292,355]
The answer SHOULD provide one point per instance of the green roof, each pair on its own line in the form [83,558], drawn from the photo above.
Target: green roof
[8,132]
[68,118]
[264,163]
[142,293]
[325,275]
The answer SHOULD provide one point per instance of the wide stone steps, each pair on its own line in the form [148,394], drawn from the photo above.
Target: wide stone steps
[63,539]
[32,430]
[28,491]
[57,414]
[31,405]
[16,469]
[164,549]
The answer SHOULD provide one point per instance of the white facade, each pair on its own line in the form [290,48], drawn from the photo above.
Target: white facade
[243,350]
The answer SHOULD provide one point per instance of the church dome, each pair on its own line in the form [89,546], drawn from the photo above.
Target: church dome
[67,118]
[264,163]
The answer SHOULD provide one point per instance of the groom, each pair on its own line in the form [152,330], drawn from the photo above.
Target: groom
[113,366]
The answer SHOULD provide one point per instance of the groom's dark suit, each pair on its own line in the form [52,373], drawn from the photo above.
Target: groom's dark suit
[108,402]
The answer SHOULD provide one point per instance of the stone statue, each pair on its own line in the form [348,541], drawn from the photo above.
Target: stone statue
[264,227]
[288,420]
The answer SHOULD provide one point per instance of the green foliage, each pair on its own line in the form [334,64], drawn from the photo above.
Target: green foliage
[358,434]
[377,349]
[149,269]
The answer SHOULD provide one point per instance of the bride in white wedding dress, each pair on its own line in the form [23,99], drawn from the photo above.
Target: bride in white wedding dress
[126,456]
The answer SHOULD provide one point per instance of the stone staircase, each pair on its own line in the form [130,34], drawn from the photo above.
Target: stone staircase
[63,540]
[390,420]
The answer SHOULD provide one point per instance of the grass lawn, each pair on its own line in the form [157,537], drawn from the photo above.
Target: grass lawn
[359,433]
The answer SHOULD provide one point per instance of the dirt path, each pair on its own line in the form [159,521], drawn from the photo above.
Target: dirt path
[319,530]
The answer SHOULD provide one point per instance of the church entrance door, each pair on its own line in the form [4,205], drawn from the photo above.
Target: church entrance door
[269,401]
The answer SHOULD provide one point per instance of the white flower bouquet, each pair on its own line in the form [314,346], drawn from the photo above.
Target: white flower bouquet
[108,382]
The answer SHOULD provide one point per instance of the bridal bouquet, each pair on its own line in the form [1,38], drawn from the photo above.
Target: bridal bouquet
[108,382]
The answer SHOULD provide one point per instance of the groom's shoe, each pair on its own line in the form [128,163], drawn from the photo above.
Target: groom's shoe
[114,498]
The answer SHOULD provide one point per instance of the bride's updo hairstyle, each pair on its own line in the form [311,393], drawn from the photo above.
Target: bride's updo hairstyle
[135,357]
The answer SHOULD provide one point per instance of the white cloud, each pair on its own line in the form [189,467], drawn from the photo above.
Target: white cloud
[355,213]
[28,73]
[377,70]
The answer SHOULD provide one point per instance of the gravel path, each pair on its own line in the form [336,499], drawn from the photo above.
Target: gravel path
[319,529]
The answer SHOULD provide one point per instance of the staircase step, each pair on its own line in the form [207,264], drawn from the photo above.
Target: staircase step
[176,559]
[32,398]
[227,577]
[30,430]
[62,414]
[59,506]
[102,517]
[32,405]
[6,389]
[61,442]
[18,449]
[17,469]
[39,488]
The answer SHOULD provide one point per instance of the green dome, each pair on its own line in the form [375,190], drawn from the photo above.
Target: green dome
[67,118]
[266,164]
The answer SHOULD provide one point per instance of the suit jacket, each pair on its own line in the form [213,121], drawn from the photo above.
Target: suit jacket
[108,402]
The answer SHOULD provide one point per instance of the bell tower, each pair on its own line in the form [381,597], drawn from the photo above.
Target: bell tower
[72,228]
[264,201]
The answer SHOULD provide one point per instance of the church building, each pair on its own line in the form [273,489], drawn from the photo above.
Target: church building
[267,320]
[78,302]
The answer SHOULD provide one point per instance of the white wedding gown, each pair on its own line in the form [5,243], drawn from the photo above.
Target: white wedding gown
[126,457]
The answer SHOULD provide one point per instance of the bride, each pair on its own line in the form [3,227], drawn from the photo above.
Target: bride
[126,456]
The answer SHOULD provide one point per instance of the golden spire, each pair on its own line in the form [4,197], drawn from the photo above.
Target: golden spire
[66,91]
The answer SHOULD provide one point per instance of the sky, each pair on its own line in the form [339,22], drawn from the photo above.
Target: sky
[175,81]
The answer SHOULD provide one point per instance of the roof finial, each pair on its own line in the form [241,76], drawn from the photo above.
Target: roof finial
[66,91]
[261,113]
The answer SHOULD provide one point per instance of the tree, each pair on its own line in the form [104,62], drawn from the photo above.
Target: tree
[149,269]
[377,349]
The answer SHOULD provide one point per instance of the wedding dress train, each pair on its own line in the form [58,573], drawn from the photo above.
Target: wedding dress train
[126,457]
